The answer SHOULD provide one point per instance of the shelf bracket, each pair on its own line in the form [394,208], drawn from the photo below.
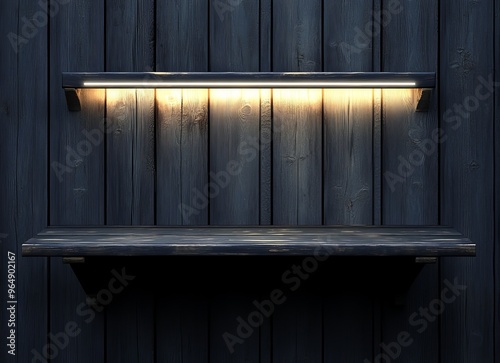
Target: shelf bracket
[71,260]
[73,99]
[425,259]
[423,99]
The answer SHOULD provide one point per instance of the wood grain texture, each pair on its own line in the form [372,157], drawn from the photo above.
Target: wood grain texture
[348,169]
[130,333]
[182,116]
[333,231]
[9,116]
[348,117]
[349,336]
[410,41]
[297,157]
[130,167]
[265,148]
[182,36]
[297,164]
[188,325]
[77,196]
[467,163]
[31,183]
[266,122]
[182,329]
[297,116]
[297,329]
[130,155]
[182,168]
[234,132]
[233,187]
[246,241]
[497,185]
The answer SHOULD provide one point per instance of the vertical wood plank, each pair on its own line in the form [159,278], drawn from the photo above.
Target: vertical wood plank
[467,174]
[348,168]
[130,145]
[410,197]
[182,170]
[233,189]
[348,171]
[297,174]
[297,329]
[234,154]
[377,123]
[130,178]
[234,118]
[265,114]
[77,195]
[130,321]
[31,182]
[182,116]
[496,117]
[410,42]
[297,166]
[348,325]
[182,328]
[9,122]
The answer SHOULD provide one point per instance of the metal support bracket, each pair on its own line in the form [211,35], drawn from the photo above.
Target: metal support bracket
[425,259]
[73,260]
[423,99]
[73,99]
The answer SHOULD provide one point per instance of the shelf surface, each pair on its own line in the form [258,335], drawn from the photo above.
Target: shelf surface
[418,241]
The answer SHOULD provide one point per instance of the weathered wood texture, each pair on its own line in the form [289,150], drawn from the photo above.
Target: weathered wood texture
[410,41]
[496,117]
[321,158]
[234,161]
[181,332]
[368,241]
[32,168]
[297,164]
[348,172]
[130,168]
[76,196]
[467,179]
[23,180]
[182,116]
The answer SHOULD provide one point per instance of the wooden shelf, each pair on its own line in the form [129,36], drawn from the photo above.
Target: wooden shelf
[419,241]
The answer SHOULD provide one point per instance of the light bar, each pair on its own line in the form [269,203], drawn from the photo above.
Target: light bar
[75,81]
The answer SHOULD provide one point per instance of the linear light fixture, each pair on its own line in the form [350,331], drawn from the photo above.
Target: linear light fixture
[73,82]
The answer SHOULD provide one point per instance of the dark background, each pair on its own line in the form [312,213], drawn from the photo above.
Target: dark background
[327,165]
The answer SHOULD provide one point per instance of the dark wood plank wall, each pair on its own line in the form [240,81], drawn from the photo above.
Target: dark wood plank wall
[467,175]
[348,147]
[323,158]
[77,196]
[408,42]
[496,115]
[130,177]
